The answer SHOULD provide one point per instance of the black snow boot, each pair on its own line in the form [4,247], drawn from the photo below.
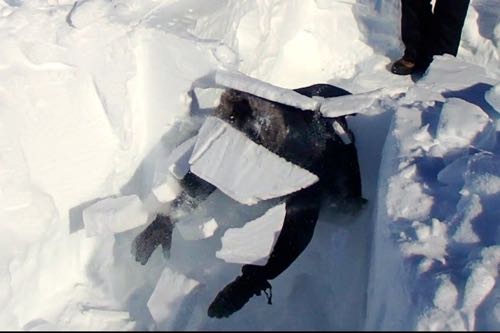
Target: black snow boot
[403,66]
[236,294]
[159,232]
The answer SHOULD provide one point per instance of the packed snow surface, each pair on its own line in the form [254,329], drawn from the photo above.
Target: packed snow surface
[101,102]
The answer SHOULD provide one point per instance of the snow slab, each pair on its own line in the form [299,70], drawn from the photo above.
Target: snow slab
[168,295]
[349,104]
[84,109]
[453,173]
[169,171]
[447,73]
[492,96]
[253,243]
[256,173]
[114,215]
[239,81]
[329,107]
[463,124]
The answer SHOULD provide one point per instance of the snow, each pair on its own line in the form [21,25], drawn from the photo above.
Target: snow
[438,175]
[99,105]
[256,173]
[349,104]
[238,81]
[462,124]
[114,215]
[252,243]
[169,170]
[168,295]
[493,97]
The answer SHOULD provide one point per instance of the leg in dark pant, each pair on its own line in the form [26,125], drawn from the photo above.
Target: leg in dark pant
[302,210]
[426,33]
[416,21]
[449,17]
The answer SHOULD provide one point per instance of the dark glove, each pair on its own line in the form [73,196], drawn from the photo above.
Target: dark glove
[158,232]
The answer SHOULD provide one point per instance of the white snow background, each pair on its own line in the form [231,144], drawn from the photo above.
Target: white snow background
[94,95]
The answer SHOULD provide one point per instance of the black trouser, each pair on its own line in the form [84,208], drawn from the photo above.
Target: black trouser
[302,210]
[425,33]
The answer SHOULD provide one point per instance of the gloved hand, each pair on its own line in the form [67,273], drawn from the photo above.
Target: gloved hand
[158,232]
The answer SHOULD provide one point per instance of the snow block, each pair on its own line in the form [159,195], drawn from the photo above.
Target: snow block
[167,297]
[453,173]
[174,167]
[195,227]
[483,175]
[254,241]
[241,82]
[462,124]
[242,169]
[448,73]
[179,159]
[168,190]
[349,104]
[492,96]
[113,215]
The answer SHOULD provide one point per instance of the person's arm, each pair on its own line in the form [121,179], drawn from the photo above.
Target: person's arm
[159,232]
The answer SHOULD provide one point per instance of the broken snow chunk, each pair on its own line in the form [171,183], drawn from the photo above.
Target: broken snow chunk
[453,173]
[168,190]
[431,240]
[416,204]
[169,170]
[492,96]
[448,73]
[179,159]
[446,295]
[349,104]
[253,242]
[468,209]
[462,124]
[242,169]
[176,163]
[483,175]
[168,295]
[423,136]
[194,227]
[226,56]
[423,94]
[113,215]
[241,82]
[481,282]
[478,286]
[341,132]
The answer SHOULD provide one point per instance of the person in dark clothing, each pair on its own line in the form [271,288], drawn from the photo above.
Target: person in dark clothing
[426,33]
[304,138]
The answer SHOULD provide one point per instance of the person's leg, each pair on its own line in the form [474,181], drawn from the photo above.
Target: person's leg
[159,232]
[416,19]
[302,211]
[449,18]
